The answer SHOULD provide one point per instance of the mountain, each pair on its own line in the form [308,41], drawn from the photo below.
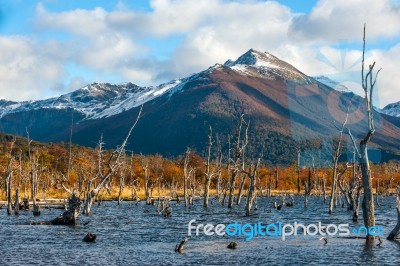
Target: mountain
[94,101]
[392,109]
[286,108]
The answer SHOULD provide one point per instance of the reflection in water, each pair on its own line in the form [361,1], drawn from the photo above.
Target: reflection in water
[126,235]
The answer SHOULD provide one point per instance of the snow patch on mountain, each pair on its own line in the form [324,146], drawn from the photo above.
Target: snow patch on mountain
[392,109]
[97,100]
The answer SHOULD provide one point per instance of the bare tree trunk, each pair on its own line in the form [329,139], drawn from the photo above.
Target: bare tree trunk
[113,165]
[368,84]
[9,200]
[186,175]
[356,204]
[232,188]
[307,189]
[16,204]
[208,174]
[241,186]
[8,177]
[251,192]
[298,171]
[336,156]
[145,168]
[395,232]
[239,158]
[368,200]
[87,206]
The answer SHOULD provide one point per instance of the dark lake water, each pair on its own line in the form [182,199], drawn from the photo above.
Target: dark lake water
[126,235]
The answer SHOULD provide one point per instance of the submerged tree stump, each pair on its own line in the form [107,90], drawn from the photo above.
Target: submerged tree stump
[89,238]
[25,205]
[232,245]
[68,217]
[36,210]
[71,214]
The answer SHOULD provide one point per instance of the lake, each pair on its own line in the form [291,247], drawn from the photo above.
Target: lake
[128,235]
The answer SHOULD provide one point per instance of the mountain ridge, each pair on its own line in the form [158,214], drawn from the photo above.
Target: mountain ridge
[285,108]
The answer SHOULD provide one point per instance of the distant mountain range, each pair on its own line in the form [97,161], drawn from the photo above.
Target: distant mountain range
[286,108]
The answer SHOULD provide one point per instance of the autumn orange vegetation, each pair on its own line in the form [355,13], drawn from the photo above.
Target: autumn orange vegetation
[164,173]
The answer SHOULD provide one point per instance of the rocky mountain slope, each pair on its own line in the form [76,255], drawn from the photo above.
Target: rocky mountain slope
[286,108]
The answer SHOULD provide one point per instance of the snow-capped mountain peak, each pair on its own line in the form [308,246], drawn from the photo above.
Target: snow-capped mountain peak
[256,63]
[392,109]
[254,58]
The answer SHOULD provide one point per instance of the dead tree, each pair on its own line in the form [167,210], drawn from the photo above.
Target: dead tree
[192,185]
[269,185]
[344,185]
[8,177]
[335,159]
[251,194]
[241,187]
[323,185]
[219,172]
[298,171]
[16,203]
[395,232]
[33,172]
[237,163]
[387,185]
[144,162]
[368,83]
[35,182]
[209,174]
[307,188]
[186,175]
[112,165]
[356,182]
[121,181]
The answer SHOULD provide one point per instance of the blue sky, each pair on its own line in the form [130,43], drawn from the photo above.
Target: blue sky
[51,47]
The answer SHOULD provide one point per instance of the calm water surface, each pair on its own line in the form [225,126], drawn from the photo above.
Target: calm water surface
[126,235]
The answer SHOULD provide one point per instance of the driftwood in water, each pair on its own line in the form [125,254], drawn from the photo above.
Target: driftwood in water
[179,248]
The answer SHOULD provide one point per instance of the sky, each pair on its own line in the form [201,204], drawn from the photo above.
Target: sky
[52,47]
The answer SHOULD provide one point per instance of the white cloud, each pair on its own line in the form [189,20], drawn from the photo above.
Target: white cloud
[342,19]
[115,43]
[389,78]
[27,67]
